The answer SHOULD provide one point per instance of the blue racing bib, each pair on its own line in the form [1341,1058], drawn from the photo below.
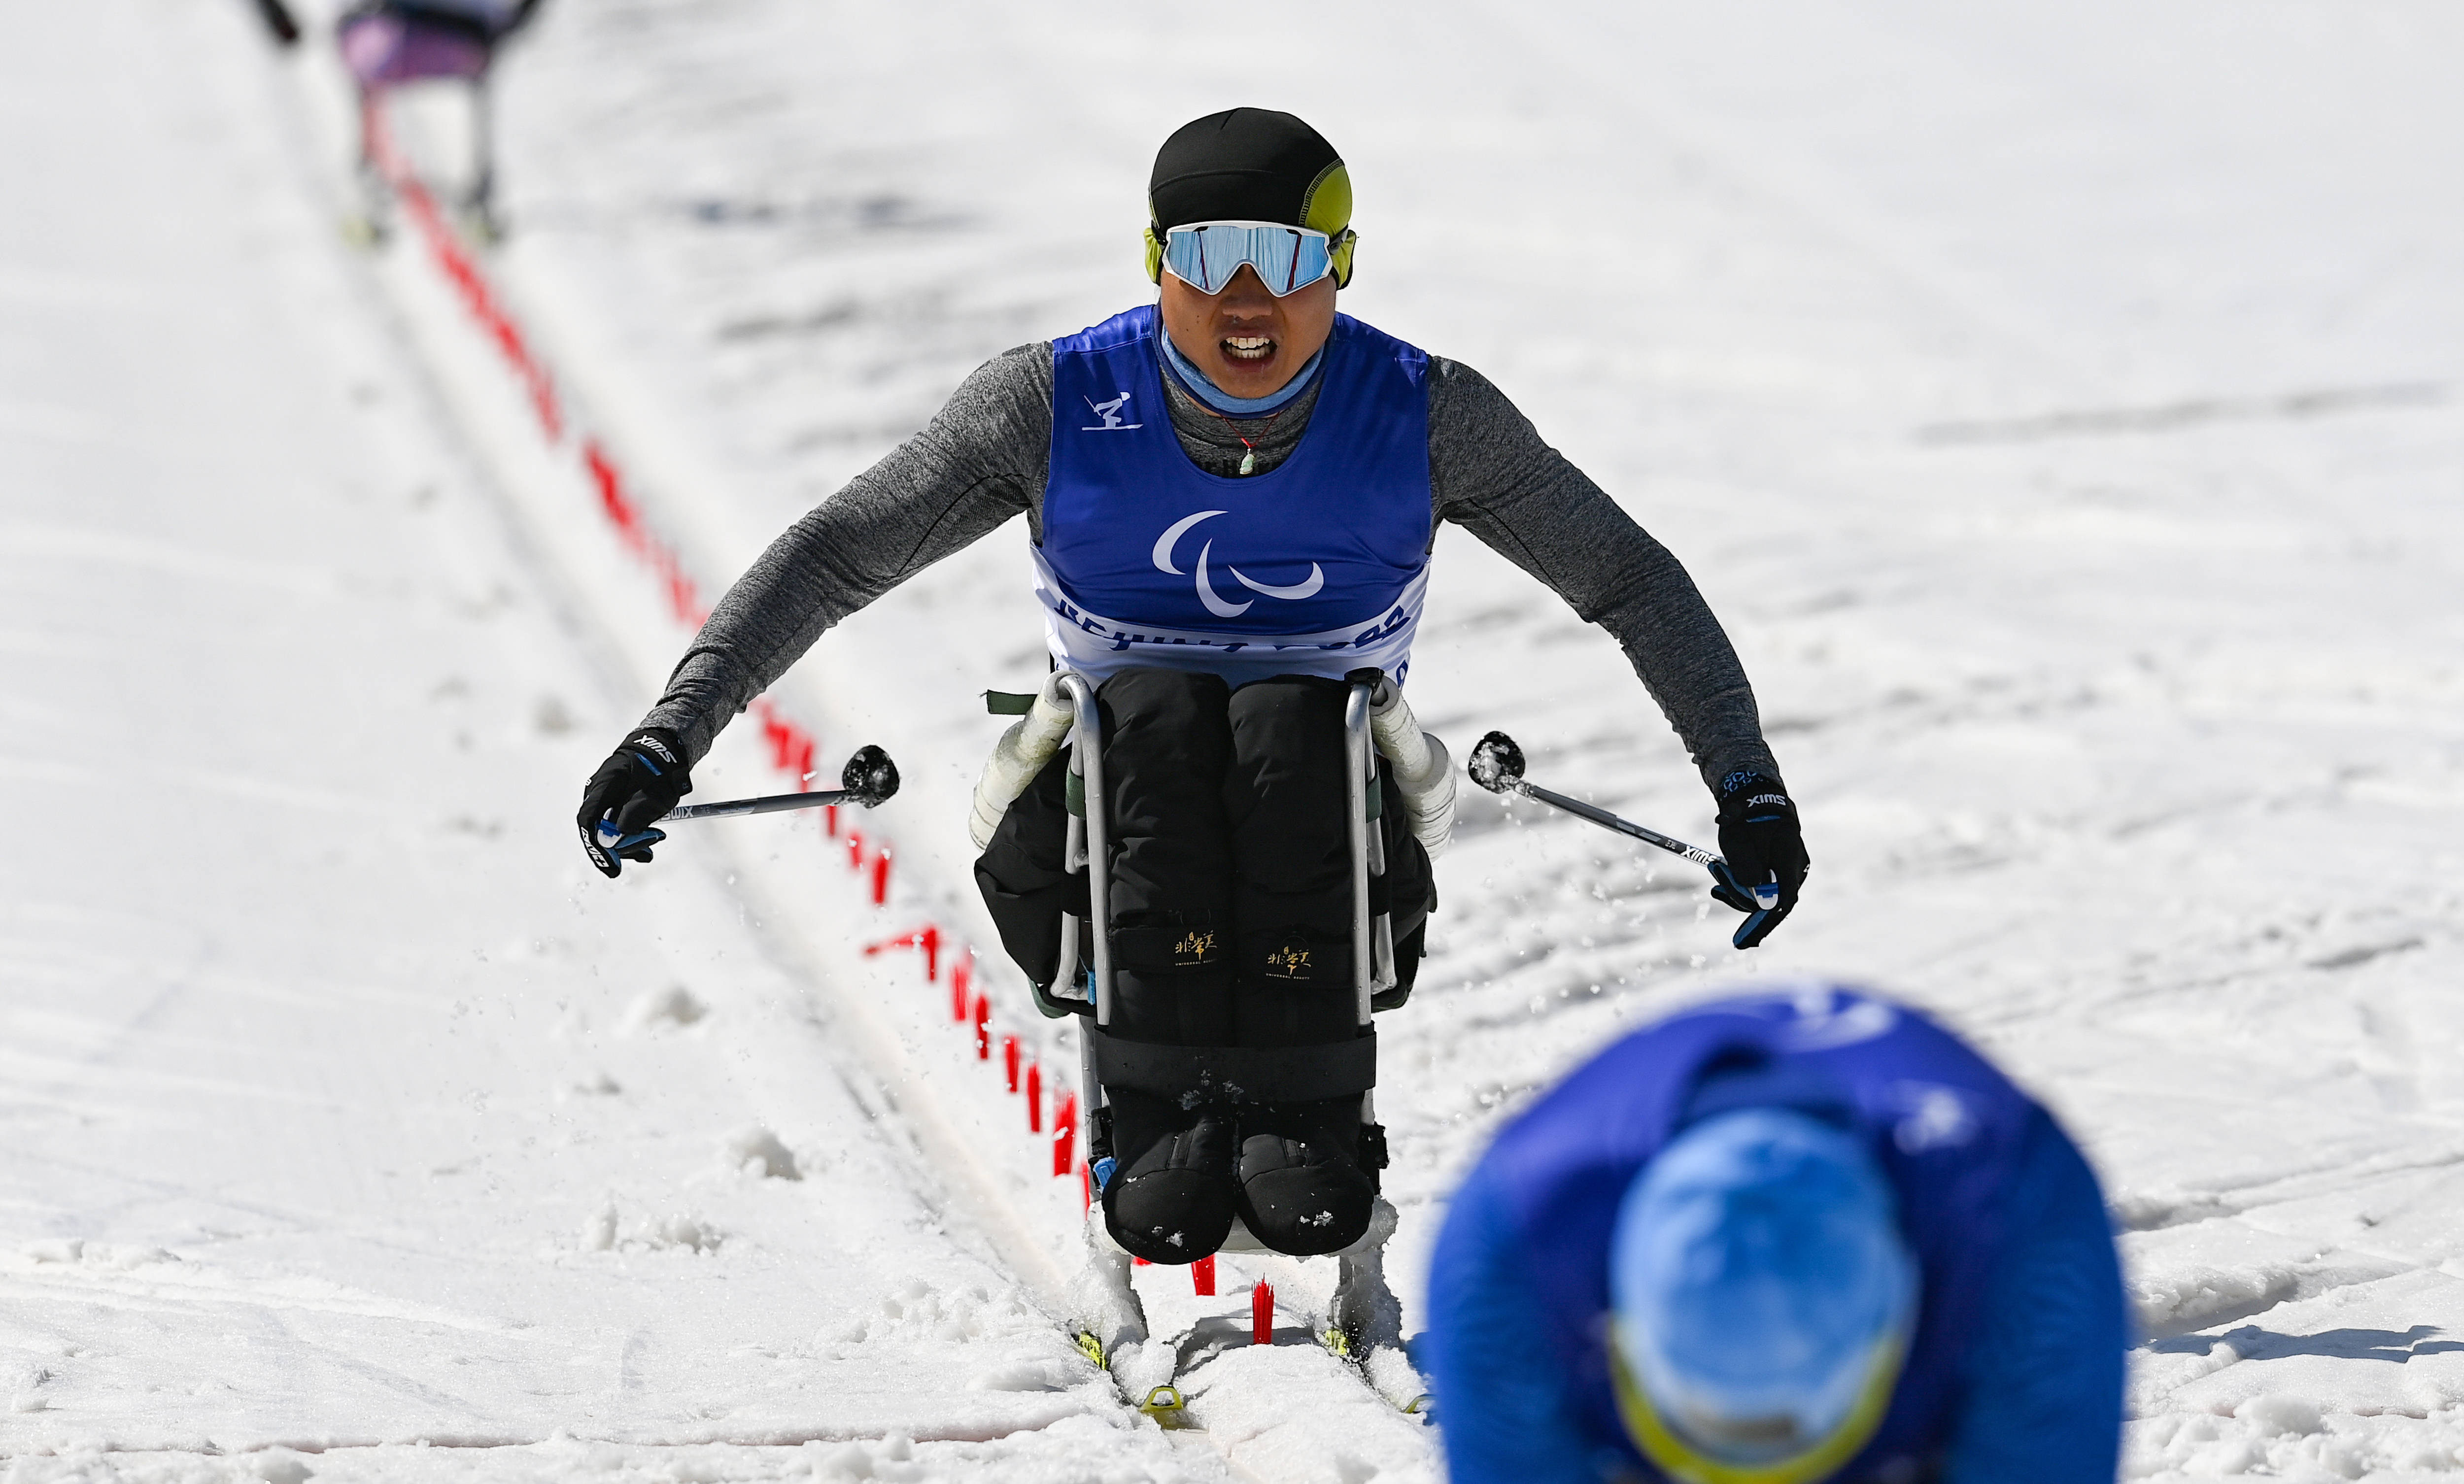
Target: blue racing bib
[1316,567]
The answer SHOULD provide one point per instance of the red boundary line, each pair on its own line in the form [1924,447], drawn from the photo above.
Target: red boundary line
[791,744]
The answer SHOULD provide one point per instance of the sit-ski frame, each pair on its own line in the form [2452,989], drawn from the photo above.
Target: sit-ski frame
[1373,937]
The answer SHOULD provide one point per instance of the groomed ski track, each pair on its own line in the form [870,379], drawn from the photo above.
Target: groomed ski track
[2061,408]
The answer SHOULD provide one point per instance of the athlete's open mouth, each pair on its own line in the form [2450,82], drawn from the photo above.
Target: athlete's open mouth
[1249,347]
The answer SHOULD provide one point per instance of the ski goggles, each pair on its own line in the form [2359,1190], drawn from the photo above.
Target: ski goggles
[1206,255]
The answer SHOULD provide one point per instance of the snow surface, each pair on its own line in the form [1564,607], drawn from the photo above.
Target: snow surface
[2061,406]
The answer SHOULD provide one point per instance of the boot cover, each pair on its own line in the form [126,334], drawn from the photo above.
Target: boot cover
[1173,1201]
[1301,1198]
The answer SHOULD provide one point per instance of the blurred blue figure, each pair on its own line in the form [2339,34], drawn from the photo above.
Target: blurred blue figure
[1780,1239]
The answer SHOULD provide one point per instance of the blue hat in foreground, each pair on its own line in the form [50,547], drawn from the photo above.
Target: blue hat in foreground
[1764,1296]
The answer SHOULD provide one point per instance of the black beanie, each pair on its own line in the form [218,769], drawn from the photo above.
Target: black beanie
[1249,164]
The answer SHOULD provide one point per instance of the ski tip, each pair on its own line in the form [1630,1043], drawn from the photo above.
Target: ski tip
[1496,763]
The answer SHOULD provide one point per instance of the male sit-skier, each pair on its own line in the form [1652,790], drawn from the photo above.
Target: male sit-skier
[1780,1239]
[1231,495]
[387,43]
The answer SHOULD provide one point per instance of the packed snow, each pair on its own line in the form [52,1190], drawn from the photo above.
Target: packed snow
[2062,407]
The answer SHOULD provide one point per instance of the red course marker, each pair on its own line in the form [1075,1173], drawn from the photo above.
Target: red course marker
[1261,1315]
[927,938]
[1065,1138]
[611,493]
[791,745]
[454,261]
[1202,1275]
[1034,1098]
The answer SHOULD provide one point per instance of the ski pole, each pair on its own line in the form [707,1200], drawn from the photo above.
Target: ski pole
[869,778]
[1497,766]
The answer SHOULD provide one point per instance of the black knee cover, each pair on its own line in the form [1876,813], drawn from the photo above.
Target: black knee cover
[1175,1192]
[1303,1191]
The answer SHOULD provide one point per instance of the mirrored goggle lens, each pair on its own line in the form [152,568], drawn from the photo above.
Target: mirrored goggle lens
[1206,255]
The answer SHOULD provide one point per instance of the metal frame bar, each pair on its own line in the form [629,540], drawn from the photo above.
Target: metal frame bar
[1358,758]
[1087,760]
[1090,836]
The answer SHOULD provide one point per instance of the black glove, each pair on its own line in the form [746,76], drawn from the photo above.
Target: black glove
[1763,847]
[640,781]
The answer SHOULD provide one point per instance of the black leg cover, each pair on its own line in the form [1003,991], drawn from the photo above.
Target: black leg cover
[1020,877]
[1174,1195]
[1302,1189]
[1165,745]
[1284,799]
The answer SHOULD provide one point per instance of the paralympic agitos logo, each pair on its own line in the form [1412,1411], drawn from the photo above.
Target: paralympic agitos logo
[1206,594]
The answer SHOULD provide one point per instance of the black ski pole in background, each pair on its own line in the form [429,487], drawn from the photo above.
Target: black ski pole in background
[1497,766]
[869,778]
[279,20]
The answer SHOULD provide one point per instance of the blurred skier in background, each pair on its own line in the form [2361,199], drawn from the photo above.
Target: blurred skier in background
[1780,1239]
[387,43]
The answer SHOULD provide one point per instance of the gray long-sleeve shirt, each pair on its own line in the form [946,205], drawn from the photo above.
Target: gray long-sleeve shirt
[984,459]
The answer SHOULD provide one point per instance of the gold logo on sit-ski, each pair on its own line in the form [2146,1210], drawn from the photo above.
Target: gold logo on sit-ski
[1196,948]
[1287,963]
